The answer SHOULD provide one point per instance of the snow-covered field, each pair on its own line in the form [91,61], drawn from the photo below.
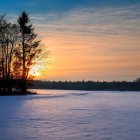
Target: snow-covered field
[71,115]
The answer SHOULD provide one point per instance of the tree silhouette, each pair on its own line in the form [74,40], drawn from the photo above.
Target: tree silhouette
[29,45]
[19,49]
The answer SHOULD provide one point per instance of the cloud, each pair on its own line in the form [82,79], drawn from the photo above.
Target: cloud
[93,21]
[117,25]
[84,36]
[92,42]
[59,6]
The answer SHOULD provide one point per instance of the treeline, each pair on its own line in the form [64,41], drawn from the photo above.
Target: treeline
[19,49]
[88,85]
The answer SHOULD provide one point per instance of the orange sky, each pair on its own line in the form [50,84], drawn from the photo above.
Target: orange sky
[91,45]
[92,58]
[87,39]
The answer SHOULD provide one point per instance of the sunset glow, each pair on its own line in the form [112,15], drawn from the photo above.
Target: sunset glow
[36,71]
[91,40]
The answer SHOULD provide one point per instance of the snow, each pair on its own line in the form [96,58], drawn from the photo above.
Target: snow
[71,115]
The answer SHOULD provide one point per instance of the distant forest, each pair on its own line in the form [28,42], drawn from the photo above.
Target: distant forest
[88,85]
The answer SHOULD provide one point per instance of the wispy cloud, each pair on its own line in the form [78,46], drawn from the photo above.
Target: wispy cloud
[83,36]
[92,43]
[93,21]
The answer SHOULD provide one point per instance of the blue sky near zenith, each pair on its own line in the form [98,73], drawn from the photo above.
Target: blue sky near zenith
[41,6]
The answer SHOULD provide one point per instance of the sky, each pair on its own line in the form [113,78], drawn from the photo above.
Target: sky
[86,39]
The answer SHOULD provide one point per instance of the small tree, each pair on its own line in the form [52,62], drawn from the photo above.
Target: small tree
[137,80]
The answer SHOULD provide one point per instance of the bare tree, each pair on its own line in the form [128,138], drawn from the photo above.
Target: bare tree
[8,42]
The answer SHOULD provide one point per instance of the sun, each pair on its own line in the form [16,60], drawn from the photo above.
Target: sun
[36,71]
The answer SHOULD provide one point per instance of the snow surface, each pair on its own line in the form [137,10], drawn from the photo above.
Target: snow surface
[71,115]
